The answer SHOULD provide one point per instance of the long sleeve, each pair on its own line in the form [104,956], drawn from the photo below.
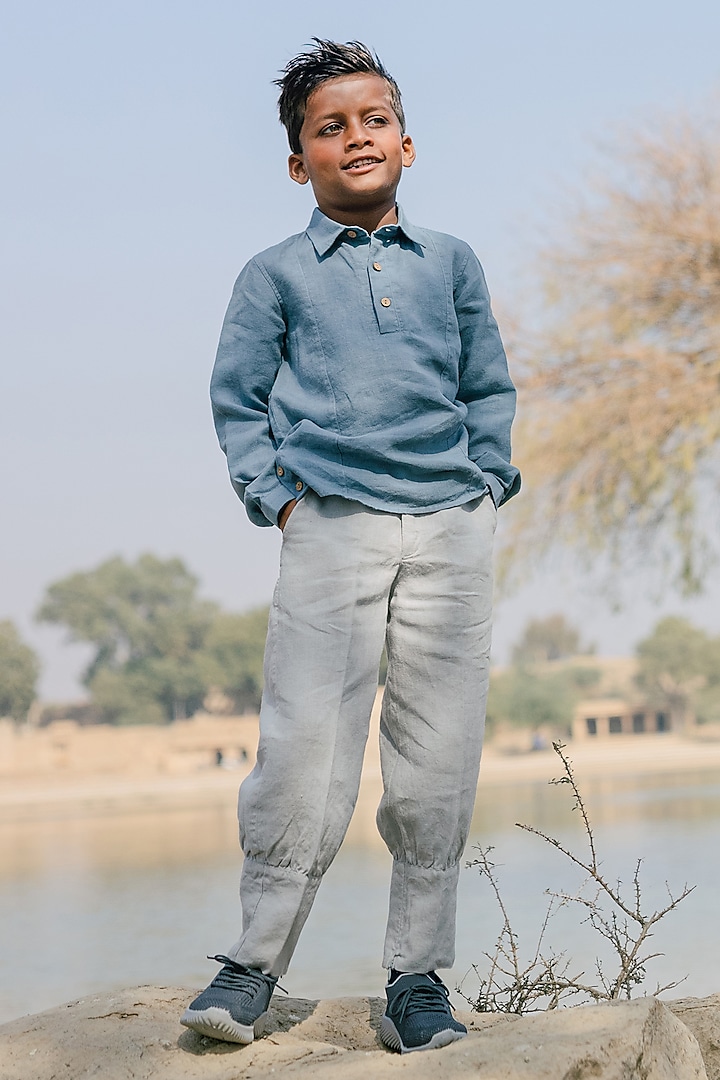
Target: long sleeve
[485,387]
[248,359]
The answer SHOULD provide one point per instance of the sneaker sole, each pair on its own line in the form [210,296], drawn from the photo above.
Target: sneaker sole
[217,1023]
[391,1037]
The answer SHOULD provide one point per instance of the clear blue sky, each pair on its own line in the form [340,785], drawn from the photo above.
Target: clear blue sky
[143,164]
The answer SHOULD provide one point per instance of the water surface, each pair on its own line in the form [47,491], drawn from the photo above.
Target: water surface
[92,905]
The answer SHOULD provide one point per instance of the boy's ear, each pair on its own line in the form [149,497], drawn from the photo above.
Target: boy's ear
[408,151]
[297,170]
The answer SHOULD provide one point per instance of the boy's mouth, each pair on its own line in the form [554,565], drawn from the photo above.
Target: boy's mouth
[361,163]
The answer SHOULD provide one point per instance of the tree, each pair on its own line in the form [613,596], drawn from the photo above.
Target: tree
[522,698]
[619,377]
[679,669]
[148,629]
[536,691]
[19,671]
[553,638]
[234,656]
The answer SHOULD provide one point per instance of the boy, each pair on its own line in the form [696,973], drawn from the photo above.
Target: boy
[362,398]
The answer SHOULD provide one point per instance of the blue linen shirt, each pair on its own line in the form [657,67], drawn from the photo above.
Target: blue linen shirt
[364,365]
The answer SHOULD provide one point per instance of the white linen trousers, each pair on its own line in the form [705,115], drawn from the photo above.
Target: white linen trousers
[350,579]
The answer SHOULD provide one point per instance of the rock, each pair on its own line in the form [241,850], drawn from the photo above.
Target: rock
[135,1035]
[702,1016]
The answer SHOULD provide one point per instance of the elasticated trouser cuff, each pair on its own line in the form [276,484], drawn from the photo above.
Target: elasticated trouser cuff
[421,925]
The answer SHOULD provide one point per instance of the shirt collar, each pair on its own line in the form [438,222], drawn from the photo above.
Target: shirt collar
[323,231]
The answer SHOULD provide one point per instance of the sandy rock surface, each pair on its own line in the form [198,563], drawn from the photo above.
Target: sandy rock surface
[134,1034]
[702,1016]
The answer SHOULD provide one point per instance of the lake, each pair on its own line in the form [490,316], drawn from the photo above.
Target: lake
[92,905]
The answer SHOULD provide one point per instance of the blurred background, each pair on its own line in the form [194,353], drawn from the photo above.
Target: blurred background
[576,147]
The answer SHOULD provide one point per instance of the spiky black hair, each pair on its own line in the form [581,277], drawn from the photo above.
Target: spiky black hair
[327,60]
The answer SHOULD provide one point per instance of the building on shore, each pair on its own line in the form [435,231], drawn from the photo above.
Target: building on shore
[605,717]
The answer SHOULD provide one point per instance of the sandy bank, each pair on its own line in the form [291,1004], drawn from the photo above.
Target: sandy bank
[31,797]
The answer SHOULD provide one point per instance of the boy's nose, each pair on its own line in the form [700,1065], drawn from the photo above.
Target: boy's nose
[358,136]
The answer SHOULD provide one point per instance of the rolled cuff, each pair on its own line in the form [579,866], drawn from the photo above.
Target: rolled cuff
[263,507]
[497,488]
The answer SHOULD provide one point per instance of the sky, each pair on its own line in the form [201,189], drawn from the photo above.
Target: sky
[144,164]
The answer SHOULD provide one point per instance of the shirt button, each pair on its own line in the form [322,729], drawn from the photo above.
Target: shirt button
[351,233]
[280,470]
[386,301]
[377,266]
[299,486]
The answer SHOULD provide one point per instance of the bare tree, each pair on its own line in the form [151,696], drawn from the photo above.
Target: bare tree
[512,984]
[621,371]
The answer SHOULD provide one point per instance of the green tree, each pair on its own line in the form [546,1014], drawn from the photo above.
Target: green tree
[553,638]
[233,661]
[148,629]
[679,669]
[19,671]
[522,698]
[538,690]
[619,369]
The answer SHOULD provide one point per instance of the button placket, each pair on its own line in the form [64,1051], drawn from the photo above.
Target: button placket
[381,286]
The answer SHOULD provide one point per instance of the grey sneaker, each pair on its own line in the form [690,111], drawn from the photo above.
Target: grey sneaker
[418,1014]
[234,1006]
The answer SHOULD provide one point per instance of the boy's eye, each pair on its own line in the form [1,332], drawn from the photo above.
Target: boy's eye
[379,120]
[330,129]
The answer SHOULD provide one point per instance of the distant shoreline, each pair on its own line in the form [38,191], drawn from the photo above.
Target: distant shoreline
[39,798]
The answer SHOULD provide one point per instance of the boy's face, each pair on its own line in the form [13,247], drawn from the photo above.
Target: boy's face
[353,149]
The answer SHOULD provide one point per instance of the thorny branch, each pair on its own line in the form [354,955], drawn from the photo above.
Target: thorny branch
[543,983]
